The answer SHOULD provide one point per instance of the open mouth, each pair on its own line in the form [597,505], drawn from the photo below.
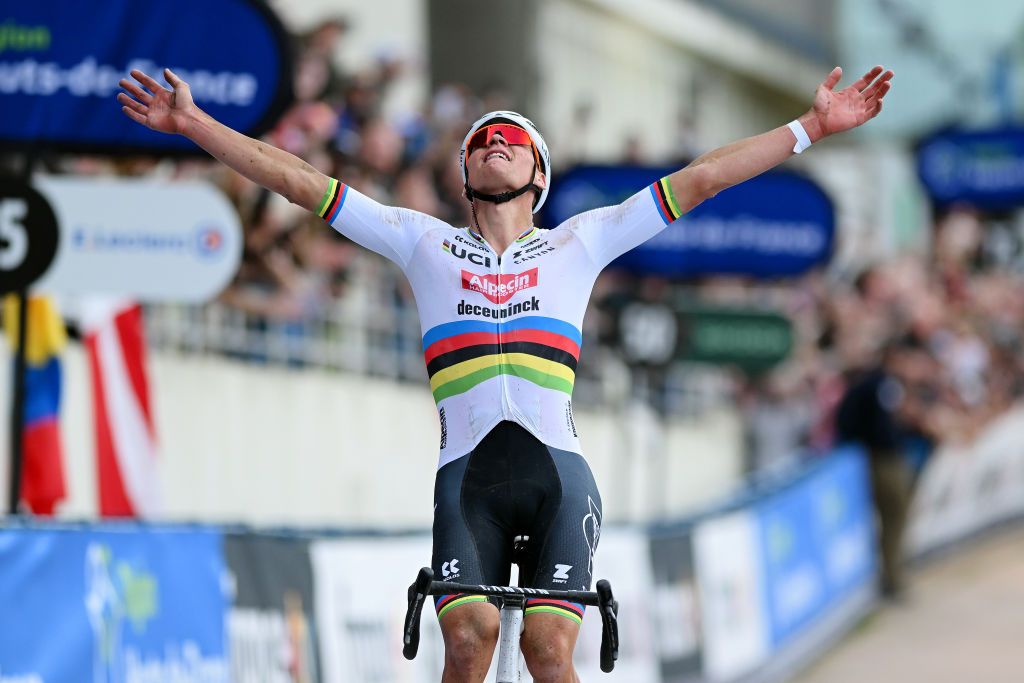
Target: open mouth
[499,155]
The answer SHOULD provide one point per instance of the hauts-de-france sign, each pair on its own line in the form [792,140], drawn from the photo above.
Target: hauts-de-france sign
[60,63]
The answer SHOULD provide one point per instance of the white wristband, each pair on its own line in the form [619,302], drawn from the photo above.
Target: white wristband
[802,141]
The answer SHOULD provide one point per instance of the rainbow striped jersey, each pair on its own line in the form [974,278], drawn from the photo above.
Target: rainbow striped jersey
[501,332]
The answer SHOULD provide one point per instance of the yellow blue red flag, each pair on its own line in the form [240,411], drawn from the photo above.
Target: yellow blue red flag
[42,474]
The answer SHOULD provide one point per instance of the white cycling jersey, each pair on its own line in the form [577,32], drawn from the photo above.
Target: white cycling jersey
[501,332]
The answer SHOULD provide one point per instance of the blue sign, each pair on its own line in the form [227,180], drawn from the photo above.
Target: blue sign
[818,543]
[983,168]
[778,224]
[60,63]
[106,606]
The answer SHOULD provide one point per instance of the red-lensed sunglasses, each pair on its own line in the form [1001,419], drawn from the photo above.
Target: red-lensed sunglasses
[513,135]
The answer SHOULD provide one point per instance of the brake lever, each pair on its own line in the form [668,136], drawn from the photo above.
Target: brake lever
[608,606]
[418,592]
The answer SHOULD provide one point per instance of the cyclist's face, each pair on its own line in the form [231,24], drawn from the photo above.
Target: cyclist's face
[498,166]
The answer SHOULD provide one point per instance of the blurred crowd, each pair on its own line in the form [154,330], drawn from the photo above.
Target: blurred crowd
[942,331]
[944,327]
[293,265]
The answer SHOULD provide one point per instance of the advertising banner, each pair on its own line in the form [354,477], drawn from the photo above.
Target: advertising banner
[818,542]
[844,528]
[727,553]
[143,239]
[778,224]
[60,63]
[361,630]
[676,607]
[984,168]
[112,606]
[271,627]
[623,558]
[361,587]
[965,488]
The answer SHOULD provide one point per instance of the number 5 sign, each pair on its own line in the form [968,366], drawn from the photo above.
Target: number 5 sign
[28,235]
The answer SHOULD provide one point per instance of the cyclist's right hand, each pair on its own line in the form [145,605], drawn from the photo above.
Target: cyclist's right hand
[163,110]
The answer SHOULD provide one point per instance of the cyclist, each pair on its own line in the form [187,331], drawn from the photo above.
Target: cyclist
[501,304]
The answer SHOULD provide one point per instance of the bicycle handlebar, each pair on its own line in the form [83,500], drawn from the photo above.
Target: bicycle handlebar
[447,588]
[609,609]
[418,593]
[602,599]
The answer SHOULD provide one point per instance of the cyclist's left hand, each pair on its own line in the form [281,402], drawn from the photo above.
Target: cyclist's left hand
[836,111]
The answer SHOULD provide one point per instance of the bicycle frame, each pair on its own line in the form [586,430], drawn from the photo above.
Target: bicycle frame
[510,629]
[512,617]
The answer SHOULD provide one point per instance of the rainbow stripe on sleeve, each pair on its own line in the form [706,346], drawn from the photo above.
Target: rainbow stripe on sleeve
[459,355]
[333,200]
[665,200]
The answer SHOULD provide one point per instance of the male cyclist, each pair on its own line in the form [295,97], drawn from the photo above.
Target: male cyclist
[501,305]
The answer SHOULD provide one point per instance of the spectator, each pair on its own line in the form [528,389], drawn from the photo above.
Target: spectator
[869,415]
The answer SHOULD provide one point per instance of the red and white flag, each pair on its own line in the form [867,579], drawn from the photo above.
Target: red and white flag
[126,445]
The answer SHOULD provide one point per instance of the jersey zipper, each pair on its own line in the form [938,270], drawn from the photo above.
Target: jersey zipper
[506,410]
[506,407]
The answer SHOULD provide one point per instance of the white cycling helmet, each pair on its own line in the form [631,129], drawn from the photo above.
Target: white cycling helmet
[538,142]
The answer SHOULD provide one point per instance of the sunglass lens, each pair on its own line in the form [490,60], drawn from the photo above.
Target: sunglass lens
[513,135]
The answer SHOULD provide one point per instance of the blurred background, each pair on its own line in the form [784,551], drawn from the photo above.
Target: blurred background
[816,388]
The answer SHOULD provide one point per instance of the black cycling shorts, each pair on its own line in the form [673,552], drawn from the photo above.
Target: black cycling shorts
[513,485]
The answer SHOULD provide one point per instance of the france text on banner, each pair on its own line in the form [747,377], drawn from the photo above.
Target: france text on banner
[126,445]
[60,64]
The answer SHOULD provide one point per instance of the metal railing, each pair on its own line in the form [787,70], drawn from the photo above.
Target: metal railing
[372,332]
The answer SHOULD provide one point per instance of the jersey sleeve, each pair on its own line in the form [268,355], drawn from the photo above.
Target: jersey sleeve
[609,232]
[390,231]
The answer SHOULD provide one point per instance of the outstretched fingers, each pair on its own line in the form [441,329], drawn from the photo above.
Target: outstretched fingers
[172,78]
[874,103]
[878,85]
[135,91]
[871,104]
[866,79]
[147,80]
[134,115]
[833,78]
[134,105]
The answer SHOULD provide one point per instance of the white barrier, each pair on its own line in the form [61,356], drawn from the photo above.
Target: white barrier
[968,488]
[360,628]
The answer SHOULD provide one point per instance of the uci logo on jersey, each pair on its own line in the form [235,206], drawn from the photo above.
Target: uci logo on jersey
[463,253]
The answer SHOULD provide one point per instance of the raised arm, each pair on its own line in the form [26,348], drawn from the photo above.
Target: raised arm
[173,111]
[833,112]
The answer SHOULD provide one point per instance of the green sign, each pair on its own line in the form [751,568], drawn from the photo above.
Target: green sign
[654,334]
[753,340]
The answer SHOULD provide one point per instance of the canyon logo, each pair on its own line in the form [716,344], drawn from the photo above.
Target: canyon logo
[499,288]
